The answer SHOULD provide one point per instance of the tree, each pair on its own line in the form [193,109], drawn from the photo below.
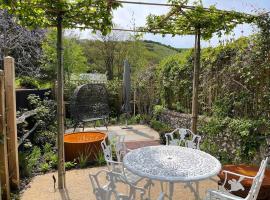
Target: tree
[75,61]
[202,22]
[112,49]
[22,44]
[62,14]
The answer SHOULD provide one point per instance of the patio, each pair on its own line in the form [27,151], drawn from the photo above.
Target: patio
[78,183]
[207,104]
[79,187]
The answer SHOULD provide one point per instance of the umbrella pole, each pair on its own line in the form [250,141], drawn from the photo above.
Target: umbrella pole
[126,125]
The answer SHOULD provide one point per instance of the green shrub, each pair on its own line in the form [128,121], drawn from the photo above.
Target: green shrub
[45,136]
[34,157]
[161,128]
[50,156]
[25,169]
[233,140]
[70,165]
[28,82]
[53,161]
[29,161]
[83,160]
[158,109]
[100,159]
[44,167]
[114,88]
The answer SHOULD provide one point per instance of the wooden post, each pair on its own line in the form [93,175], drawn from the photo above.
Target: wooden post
[197,58]
[134,101]
[12,143]
[60,105]
[3,144]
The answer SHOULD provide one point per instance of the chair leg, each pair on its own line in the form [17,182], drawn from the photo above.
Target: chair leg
[171,190]
[83,127]
[75,126]
[162,187]
[105,123]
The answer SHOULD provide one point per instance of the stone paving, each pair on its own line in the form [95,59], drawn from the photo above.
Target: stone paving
[78,187]
[78,182]
[135,133]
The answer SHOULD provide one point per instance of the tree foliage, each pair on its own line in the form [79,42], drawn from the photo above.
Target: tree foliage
[75,61]
[22,44]
[43,13]
[184,20]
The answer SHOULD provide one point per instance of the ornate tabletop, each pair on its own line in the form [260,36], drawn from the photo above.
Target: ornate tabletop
[172,163]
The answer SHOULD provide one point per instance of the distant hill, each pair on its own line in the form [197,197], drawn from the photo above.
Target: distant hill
[157,44]
[146,53]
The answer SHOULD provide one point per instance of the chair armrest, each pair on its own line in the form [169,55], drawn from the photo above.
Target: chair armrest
[236,174]
[241,177]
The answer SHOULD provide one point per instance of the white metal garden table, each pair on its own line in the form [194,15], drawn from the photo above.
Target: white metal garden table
[172,164]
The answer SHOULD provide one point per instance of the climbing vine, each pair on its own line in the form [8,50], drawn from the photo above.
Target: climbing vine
[184,20]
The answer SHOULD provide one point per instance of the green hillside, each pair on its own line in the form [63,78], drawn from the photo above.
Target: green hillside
[102,55]
[162,48]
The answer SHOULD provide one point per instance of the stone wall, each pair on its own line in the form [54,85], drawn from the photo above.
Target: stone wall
[176,119]
[180,120]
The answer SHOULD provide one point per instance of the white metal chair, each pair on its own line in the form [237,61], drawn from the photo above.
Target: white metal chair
[109,190]
[224,194]
[119,148]
[183,137]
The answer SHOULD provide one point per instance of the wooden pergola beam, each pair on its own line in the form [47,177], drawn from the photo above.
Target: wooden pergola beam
[174,5]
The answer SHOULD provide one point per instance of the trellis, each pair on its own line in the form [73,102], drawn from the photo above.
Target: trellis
[158,25]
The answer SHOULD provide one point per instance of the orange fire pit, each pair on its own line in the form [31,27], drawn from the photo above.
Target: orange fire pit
[83,144]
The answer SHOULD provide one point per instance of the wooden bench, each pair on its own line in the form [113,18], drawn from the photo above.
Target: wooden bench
[248,171]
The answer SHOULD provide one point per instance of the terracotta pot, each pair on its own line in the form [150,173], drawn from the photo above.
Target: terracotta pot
[83,143]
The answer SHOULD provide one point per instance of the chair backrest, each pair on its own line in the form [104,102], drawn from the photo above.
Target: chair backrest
[257,181]
[110,190]
[116,145]
[184,137]
[102,192]
[89,101]
[120,147]
[107,150]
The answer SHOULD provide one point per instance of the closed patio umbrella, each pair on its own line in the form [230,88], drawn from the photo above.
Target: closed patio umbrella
[126,108]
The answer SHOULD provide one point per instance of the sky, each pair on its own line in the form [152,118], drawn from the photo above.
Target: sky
[128,15]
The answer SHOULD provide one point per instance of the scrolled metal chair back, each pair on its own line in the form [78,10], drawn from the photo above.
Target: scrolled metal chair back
[183,137]
[107,150]
[109,190]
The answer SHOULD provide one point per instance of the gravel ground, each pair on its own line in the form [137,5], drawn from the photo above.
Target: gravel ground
[79,187]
